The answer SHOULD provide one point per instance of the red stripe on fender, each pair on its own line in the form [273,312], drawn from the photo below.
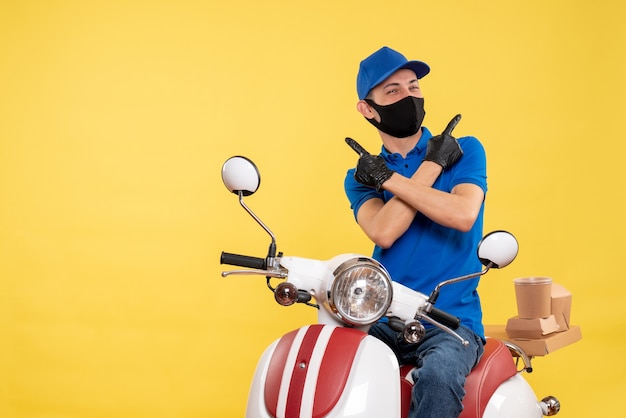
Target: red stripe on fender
[335,369]
[275,371]
[300,369]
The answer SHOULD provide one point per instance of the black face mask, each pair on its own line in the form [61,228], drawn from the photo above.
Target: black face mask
[400,119]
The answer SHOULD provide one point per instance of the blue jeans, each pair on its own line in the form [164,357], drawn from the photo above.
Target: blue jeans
[443,363]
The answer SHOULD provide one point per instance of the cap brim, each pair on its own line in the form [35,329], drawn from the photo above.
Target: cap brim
[418,67]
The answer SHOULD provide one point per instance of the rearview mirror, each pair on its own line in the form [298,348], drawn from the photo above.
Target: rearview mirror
[240,175]
[497,249]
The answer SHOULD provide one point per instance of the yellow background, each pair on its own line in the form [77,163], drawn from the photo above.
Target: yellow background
[115,119]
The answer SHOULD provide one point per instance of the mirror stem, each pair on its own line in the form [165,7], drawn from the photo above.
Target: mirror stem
[435,293]
[272,248]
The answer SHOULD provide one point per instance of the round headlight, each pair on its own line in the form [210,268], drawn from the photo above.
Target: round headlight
[361,292]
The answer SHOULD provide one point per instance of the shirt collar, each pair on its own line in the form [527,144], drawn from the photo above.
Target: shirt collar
[419,147]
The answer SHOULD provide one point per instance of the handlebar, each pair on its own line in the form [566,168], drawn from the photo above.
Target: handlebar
[444,318]
[243,261]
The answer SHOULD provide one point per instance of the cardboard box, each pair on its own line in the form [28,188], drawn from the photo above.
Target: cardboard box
[531,328]
[561,305]
[538,346]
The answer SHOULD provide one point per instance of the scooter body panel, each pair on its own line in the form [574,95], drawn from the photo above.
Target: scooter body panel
[300,375]
[514,398]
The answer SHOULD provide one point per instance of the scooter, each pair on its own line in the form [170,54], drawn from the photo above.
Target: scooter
[334,368]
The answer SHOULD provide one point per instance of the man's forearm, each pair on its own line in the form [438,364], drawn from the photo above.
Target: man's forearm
[385,223]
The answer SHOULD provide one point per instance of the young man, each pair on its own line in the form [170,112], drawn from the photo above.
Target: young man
[421,202]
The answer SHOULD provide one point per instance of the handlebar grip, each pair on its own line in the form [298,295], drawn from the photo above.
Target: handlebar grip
[243,261]
[444,318]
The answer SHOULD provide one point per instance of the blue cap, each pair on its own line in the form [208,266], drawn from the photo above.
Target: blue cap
[380,65]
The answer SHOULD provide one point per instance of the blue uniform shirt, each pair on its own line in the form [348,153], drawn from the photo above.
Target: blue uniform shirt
[428,253]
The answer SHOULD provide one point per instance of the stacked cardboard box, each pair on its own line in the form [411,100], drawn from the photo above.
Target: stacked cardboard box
[540,336]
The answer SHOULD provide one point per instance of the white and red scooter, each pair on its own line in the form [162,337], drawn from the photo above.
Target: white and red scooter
[334,368]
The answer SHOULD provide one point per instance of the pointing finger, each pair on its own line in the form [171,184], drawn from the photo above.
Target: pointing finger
[356,147]
[455,120]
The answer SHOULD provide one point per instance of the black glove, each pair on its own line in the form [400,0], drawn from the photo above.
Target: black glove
[371,170]
[444,149]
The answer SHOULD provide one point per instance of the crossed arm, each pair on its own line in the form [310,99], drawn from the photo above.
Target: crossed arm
[384,223]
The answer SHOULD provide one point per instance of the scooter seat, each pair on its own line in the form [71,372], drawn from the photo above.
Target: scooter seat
[495,366]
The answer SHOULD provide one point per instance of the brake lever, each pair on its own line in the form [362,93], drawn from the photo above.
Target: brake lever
[442,327]
[267,273]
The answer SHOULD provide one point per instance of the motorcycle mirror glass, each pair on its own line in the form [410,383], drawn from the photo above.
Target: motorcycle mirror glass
[497,249]
[240,174]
